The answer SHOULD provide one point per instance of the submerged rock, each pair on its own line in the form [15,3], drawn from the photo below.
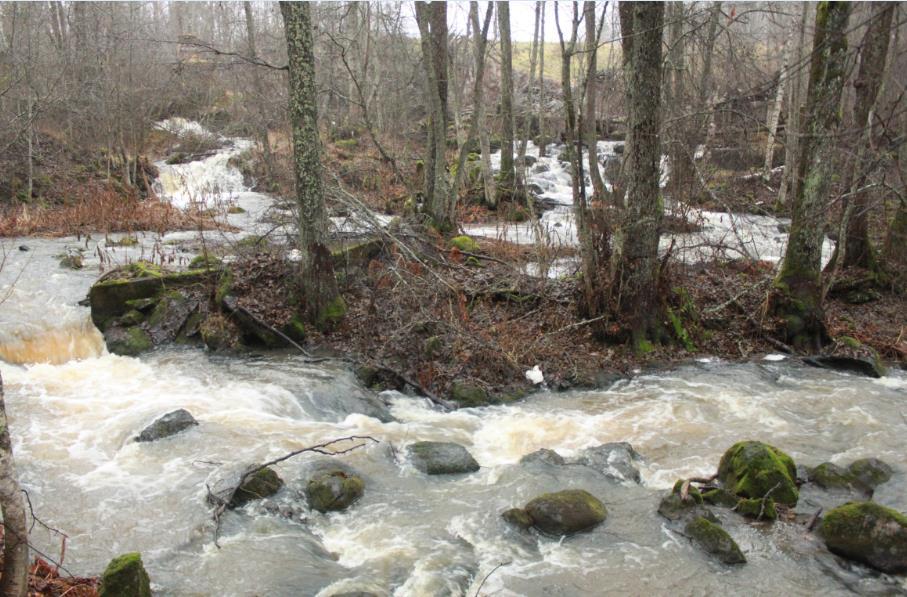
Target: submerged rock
[518,518]
[868,533]
[614,459]
[832,476]
[72,261]
[674,506]
[167,425]
[127,341]
[261,484]
[860,366]
[441,458]
[757,509]
[753,469]
[566,512]
[870,472]
[543,456]
[720,497]
[468,394]
[333,490]
[714,540]
[125,576]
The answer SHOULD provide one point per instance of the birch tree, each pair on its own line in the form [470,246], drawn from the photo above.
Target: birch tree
[796,295]
[14,580]
[321,299]
[506,177]
[794,105]
[589,118]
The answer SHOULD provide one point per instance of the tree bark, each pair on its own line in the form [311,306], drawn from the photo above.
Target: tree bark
[318,285]
[774,112]
[590,138]
[635,282]
[796,295]
[794,105]
[506,178]
[14,580]
[541,98]
[259,89]
[681,148]
[521,170]
[858,250]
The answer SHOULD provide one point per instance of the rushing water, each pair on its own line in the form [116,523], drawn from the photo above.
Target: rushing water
[74,409]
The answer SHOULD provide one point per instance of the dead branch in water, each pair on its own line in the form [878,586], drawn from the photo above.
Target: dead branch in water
[222,499]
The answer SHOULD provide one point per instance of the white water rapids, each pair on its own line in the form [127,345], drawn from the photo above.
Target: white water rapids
[74,408]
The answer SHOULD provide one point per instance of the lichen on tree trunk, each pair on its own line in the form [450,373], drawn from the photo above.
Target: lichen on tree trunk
[796,295]
[318,286]
[14,580]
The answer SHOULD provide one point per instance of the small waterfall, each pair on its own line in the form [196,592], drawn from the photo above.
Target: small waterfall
[55,346]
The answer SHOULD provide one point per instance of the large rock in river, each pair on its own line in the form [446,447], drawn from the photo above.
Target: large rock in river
[332,490]
[167,425]
[868,533]
[566,512]
[125,576]
[261,484]
[615,459]
[441,458]
[756,470]
[714,540]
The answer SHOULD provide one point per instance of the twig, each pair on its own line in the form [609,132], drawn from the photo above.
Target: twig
[493,570]
[813,520]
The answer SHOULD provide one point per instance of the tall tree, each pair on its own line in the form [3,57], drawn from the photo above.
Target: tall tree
[796,294]
[14,580]
[795,80]
[680,146]
[590,138]
[634,285]
[252,48]
[856,247]
[432,22]
[507,169]
[321,299]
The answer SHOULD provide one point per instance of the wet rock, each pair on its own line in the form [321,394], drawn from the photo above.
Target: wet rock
[714,540]
[261,484]
[24,248]
[615,459]
[518,518]
[252,331]
[870,472]
[167,425]
[169,316]
[535,189]
[860,366]
[543,456]
[541,168]
[757,509]
[468,394]
[832,476]
[333,490]
[618,149]
[527,160]
[127,341]
[754,470]
[868,533]
[720,497]
[566,512]
[675,507]
[441,458]
[219,333]
[73,261]
[125,576]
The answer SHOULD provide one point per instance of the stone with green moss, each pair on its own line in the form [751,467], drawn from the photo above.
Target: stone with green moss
[753,469]
[295,328]
[235,209]
[205,261]
[260,484]
[518,518]
[714,540]
[566,512]
[125,576]
[465,243]
[868,533]
[757,509]
[73,261]
[333,490]
[441,458]
[831,476]
[332,313]
[131,318]
[468,394]
[675,507]
[870,472]
[126,241]
[720,497]
[129,341]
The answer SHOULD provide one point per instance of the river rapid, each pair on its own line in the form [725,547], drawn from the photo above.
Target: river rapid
[74,409]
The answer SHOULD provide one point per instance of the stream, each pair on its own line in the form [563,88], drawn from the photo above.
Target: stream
[74,409]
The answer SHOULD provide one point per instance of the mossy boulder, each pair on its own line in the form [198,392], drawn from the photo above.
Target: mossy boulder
[441,458]
[518,518]
[468,394]
[260,484]
[714,540]
[167,425]
[566,512]
[73,261]
[674,506]
[543,456]
[333,490]
[831,476]
[857,365]
[127,341]
[870,472]
[205,261]
[753,469]
[757,509]
[720,497]
[868,533]
[125,576]
[464,243]
[616,460]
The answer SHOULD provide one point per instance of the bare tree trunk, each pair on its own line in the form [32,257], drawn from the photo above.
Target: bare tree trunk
[541,98]
[858,250]
[506,178]
[794,104]
[895,252]
[259,90]
[14,580]
[521,170]
[796,295]
[774,111]
[319,288]
[589,118]
[434,43]
[681,177]
[635,282]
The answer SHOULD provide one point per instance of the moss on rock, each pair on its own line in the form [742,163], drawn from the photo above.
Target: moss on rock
[753,469]
[566,512]
[468,394]
[675,507]
[720,497]
[869,533]
[832,476]
[465,243]
[757,509]
[127,341]
[870,472]
[125,576]
[518,518]
[333,490]
[260,484]
[714,540]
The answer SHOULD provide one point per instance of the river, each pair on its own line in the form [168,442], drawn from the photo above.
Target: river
[74,409]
